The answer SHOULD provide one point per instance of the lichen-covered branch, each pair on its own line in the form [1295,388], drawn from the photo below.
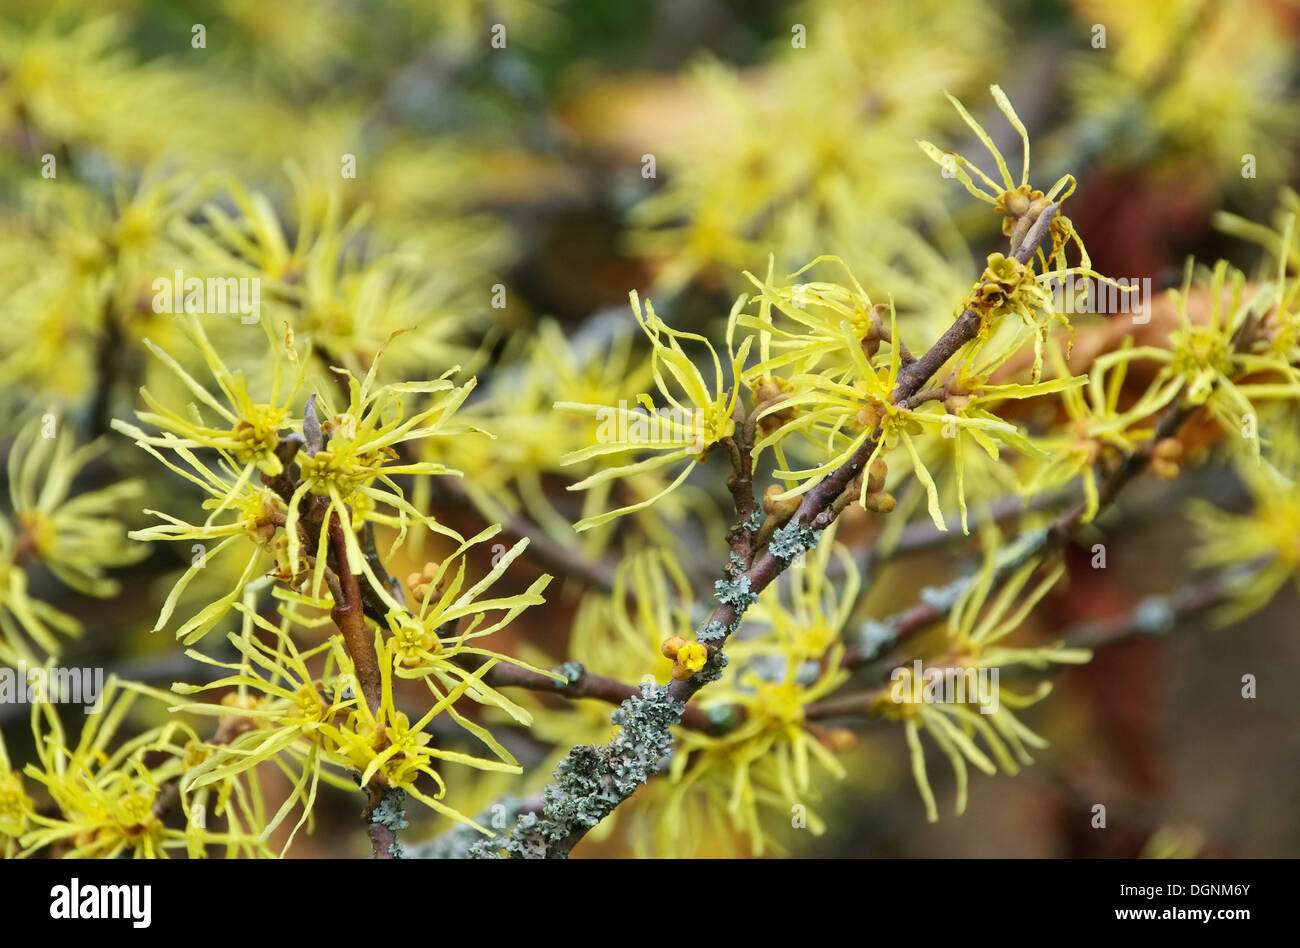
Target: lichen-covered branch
[385,816]
[580,683]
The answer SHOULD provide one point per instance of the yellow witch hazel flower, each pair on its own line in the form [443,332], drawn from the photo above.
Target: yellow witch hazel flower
[969,456]
[1206,363]
[824,375]
[312,724]
[1097,431]
[75,536]
[276,712]
[532,439]
[110,802]
[1268,535]
[805,621]
[244,519]
[1020,204]
[444,622]
[1278,295]
[651,602]
[957,697]
[24,619]
[246,431]
[686,430]
[348,462]
[383,743]
[1008,286]
[837,397]
[360,454]
[341,286]
[16,806]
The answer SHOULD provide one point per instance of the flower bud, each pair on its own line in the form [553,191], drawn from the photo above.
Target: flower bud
[778,508]
[869,416]
[880,502]
[1168,449]
[876,476]
[1164,468]
[841,739]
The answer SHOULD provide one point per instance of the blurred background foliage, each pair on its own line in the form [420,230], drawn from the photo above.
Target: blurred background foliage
[665,147]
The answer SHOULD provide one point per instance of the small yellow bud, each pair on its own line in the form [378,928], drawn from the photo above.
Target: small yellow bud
[671,646]
[876,476]
[1168,449]
[767,390]
[841,739]
[869,417]
[880,502]
[1017,203]
[778,508]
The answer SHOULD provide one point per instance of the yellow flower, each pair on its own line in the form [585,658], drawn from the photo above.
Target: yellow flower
[1008,286]
[361,452]
[787,656]
[691,425]
[109,802]
[1267,535]
[384,745]
[245,431]
[15,805]
[1017,200]
[1097,430]
[77,537]
[430,641]
[279,712]
[975,627]
[1205,363]
[692,656]
[251,516]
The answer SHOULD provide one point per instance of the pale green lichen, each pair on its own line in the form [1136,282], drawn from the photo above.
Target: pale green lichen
[592,780]
[712,669]
[390,813]
[571,671]
[735,592]
[458,842]
[791,540]
[712,632]
[1154,615]
[874,637]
